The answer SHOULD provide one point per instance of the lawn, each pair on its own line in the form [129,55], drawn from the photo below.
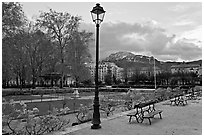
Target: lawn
[27,97]
[72,104]
[48,105]
[32,97]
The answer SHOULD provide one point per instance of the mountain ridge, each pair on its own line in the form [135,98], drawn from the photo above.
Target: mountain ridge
[128,60]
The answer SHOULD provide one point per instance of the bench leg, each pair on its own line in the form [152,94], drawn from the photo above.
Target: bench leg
[183,102]
[130,118]
[149,121]
[140,119]
[136,119]
[171,103]
[160,115]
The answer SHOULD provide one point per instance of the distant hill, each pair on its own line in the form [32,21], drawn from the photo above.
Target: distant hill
[129,60]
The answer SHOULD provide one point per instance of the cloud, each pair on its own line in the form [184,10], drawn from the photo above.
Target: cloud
[193,35]
[133,37]
[181,7]
[183,23]
[146,38]
[184,50]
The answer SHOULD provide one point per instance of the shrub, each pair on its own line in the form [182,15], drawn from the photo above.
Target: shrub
[23,121]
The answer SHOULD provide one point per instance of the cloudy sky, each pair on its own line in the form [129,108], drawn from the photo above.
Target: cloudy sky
[169,31]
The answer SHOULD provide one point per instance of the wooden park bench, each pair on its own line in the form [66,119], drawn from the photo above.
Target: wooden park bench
[179,100]
[194,95]
[145,111]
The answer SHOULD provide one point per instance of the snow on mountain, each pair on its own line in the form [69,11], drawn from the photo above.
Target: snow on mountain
[120,56]
[129,57]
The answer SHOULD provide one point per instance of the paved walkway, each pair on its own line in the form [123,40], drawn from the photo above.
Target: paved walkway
[177,120]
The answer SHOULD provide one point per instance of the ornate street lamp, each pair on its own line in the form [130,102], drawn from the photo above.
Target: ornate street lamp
[97,14]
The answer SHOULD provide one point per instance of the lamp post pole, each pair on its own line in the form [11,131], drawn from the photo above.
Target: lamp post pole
[96,115]
[155,81]
[97,14]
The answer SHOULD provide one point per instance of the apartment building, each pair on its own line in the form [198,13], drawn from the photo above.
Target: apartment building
[196,68]
[148,71]
[104,68]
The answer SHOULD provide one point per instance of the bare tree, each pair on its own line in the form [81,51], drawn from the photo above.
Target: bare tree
[13,20]
[78,55]
[38,50]
[60,26]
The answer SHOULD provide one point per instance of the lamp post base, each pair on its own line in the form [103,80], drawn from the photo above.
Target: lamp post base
[96,126]
[96,114]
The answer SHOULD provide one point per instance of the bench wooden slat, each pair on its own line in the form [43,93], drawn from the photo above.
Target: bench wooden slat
[150,115]
[132,114]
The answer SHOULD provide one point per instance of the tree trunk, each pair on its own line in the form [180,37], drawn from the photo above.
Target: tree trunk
[52,82]
[34,79]
[62,69]
[21,82]
[33,84]
[17,82]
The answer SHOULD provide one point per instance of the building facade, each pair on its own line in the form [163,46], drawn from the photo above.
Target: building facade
[105,68]
[187,68]
[148,71]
